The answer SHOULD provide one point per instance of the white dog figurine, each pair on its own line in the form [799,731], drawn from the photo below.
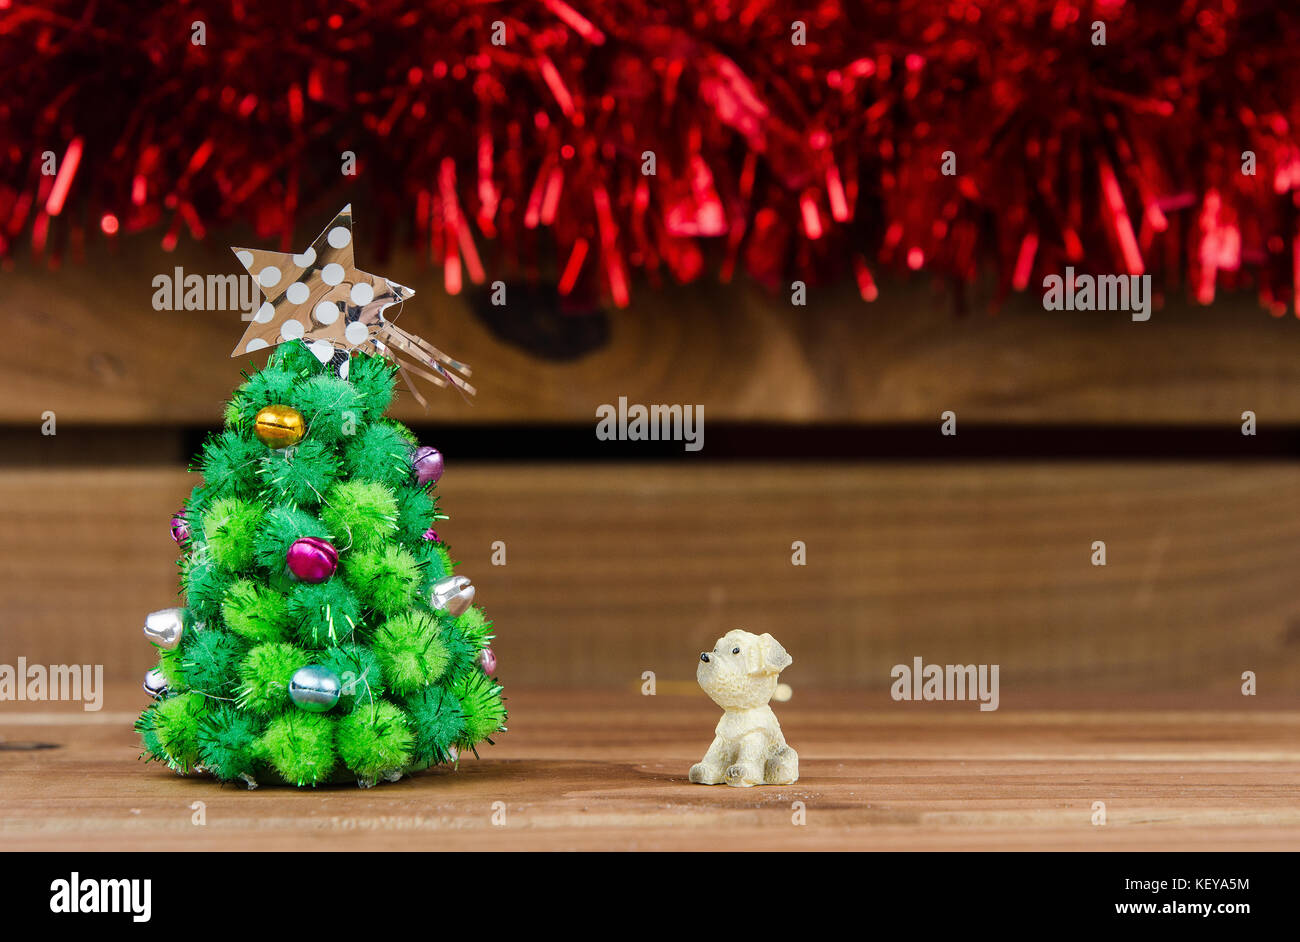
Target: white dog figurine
[739,675]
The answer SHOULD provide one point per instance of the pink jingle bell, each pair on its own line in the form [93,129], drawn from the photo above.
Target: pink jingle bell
[180,528]
[312,559]
[431,535]
[488,661]
[427,463]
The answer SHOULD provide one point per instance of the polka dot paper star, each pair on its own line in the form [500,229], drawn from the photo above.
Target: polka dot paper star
[317,296]
[321,298]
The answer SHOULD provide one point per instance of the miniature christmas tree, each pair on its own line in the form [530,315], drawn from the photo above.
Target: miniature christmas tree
[324,635]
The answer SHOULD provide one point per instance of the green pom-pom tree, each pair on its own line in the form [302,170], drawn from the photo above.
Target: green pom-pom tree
[403,686]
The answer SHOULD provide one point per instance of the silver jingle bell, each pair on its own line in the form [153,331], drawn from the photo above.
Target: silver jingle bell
[314,688]
[452,596]
[155,684]
[165,628]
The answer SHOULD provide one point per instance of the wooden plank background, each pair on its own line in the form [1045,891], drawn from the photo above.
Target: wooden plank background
[613,570]
[86,343]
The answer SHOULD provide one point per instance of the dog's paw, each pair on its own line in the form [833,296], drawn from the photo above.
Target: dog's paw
[735,775]
[700,774]
[782,768]
[784,776]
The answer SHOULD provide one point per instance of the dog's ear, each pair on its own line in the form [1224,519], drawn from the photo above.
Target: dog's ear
[772,657]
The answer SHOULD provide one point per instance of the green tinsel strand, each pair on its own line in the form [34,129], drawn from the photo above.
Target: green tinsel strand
[268,387]
[410,437]
[264,676]
[462,651]
[385,579]
[300,746]
[438,723]
[229,463]
[280,527]
[480,700]
[197,503]
[475,627]
[203,583]
[233,414]
[410,651]
[358,671]
[372,377]
[255,612]
[211,659]
[294,358]
[176,725]
[172,665]
[227,741]
[299,475]
[378,453]
[228,527]
[437,564]
[416,509]
[331,406]
[324,615]
[145,726]
[372,740]
[360,514]
[282,581]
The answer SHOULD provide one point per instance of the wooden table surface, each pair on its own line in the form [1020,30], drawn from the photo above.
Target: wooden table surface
[596,770]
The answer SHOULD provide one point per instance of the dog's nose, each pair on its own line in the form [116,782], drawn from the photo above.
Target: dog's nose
[704,658]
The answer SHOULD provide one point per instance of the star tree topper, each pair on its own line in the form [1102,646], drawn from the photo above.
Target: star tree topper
[320,297]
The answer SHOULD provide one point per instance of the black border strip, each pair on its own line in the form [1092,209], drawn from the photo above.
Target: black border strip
[723,441]
[977,894]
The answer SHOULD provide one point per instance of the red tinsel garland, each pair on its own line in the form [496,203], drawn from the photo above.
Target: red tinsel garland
[790,160]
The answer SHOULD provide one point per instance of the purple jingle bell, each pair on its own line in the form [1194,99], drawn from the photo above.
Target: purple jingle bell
[180,528]
[488,661]
[431,535]
[427,463]
[312,559]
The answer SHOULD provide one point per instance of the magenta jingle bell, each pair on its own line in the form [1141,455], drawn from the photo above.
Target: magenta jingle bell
[312,559]
[427,462]
[431,535]
[180,528]
[488,661]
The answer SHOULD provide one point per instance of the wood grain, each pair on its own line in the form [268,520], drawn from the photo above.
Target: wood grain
[584,770]
[614,570]
[86,343]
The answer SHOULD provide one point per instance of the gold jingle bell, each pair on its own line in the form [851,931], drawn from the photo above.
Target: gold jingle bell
[279,426]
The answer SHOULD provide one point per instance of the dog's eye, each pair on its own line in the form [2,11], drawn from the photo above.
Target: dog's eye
[735,650]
